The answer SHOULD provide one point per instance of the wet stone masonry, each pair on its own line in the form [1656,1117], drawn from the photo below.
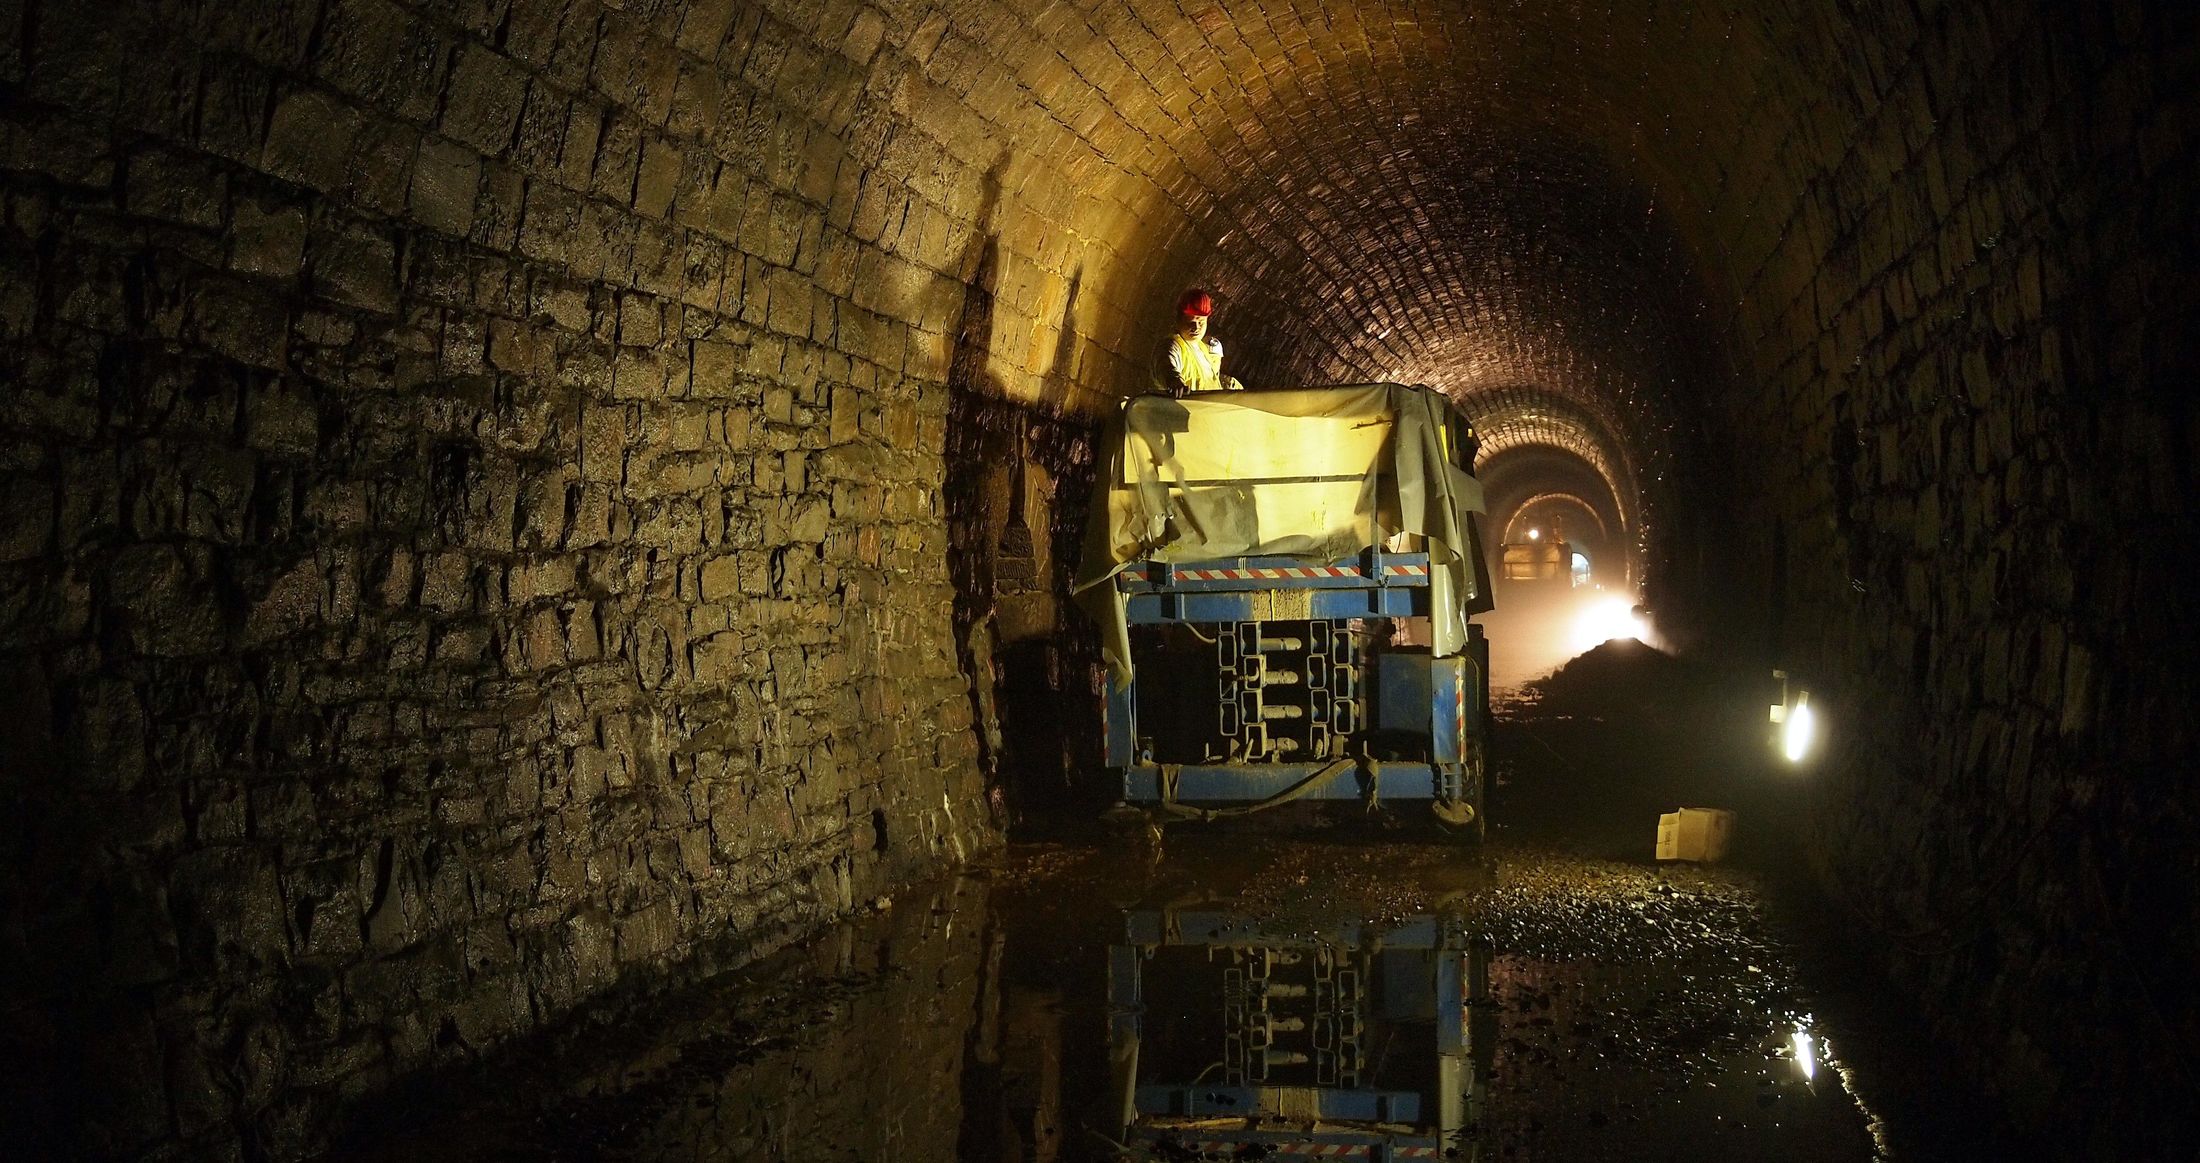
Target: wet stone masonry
[464,544]
[1975,324]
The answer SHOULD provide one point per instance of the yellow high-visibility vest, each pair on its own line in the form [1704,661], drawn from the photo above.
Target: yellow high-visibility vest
[1198,363]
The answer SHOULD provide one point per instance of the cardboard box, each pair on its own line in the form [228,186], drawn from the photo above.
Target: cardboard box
[1695,834]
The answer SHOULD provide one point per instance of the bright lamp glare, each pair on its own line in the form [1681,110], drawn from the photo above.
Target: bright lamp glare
[1804,1058]
[1800,733]
[1605,619]
[1535,535]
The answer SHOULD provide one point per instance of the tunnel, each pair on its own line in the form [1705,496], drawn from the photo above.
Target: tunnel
[506,504]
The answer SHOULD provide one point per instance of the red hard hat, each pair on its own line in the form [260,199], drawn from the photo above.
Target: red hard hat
[1195,302]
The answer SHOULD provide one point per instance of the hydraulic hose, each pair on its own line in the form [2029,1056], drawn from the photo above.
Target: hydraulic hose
[1186,812]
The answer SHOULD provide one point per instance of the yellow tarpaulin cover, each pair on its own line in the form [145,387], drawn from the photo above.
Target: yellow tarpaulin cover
[1319,473]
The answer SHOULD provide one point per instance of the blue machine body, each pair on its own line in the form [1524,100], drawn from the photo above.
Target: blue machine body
[1412,723]
[1260,680]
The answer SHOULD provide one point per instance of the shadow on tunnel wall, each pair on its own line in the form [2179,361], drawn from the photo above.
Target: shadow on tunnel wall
[1017,473]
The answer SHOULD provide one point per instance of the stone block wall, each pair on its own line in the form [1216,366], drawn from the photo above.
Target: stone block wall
[1967,307]
[472,529]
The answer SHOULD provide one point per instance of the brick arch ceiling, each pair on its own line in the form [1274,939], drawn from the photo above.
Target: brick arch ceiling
[1155,142]
[1474,195]
[1561,501]
[1513,274]
[1518,418]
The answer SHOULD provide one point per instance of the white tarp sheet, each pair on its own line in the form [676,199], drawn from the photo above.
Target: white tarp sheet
[1318,473]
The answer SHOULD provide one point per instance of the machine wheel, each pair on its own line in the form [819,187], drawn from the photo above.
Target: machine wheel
[1466,820]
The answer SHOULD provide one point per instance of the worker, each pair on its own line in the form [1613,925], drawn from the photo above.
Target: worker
[1192,361]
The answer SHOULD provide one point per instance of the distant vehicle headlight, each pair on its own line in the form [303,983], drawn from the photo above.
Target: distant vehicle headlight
[1605,619]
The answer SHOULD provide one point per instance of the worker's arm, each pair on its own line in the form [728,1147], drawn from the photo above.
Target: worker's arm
[1171,374]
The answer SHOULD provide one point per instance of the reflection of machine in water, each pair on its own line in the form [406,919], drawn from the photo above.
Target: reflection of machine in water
[1234,1038]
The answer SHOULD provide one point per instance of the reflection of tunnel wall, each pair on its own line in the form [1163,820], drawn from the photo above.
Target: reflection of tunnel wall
[480,515]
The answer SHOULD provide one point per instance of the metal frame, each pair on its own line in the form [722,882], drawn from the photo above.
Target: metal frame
[1250,766]
[1229,782]
[1228,594]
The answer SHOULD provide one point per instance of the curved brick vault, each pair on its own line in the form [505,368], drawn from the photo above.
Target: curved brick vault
[1581,519]
[504,498]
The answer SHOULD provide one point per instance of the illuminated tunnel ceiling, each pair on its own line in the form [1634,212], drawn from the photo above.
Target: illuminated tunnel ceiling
[1527,286]
[1489,198]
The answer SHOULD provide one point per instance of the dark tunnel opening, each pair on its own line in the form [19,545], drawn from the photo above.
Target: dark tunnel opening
[513,505]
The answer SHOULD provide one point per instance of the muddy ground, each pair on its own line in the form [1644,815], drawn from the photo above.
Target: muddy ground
[1617,1007]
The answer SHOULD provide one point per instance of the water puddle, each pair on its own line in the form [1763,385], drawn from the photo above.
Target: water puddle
[1231,998]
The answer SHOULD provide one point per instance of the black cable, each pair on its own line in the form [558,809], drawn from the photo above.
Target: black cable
[1185,811]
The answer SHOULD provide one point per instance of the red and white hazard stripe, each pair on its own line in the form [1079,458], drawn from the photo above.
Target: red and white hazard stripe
[1459,707]
[1314,1150]
[1280,573]
[1326,1150]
